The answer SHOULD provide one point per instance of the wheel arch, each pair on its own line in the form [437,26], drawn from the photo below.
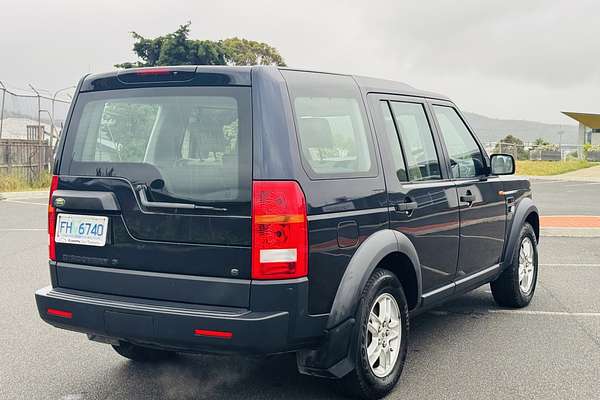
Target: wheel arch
[526,212]
[533,219]
[402,266]
[382,249]
[335,356]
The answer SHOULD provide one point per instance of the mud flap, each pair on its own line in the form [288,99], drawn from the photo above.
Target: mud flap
[334,358]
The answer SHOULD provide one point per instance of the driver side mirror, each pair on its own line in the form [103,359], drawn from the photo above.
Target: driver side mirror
[502,164]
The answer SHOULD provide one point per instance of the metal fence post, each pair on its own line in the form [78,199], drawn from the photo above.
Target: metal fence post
[39,101]
[2,107]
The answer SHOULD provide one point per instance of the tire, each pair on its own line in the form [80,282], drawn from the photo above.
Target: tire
[373,380]
[511,289]
[142,354]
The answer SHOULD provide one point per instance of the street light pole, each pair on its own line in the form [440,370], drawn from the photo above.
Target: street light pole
[560,133]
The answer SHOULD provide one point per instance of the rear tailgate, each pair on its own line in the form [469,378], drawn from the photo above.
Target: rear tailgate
[170,168]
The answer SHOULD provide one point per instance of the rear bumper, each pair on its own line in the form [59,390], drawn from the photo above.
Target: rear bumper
[173,325]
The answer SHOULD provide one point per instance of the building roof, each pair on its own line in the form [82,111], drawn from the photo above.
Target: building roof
[589,120]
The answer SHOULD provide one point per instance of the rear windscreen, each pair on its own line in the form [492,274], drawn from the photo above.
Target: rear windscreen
[190,144]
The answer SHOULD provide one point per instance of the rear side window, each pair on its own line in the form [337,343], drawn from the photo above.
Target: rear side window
[190,144]
[333,134]
[419,148]
[393,141]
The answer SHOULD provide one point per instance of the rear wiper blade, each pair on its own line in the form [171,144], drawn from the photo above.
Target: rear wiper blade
[141,189]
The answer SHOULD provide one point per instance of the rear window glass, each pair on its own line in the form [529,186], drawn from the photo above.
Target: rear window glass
[334,137]
[185,143]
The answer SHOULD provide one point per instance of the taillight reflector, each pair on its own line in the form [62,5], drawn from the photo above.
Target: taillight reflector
[60,313]
[52,220]
[216,334]
[279,230]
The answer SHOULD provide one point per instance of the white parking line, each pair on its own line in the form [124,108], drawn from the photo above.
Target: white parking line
[543,181]
[583,183]
[22,229]
[26,198]
[24,202]
[556,313]
[569,265]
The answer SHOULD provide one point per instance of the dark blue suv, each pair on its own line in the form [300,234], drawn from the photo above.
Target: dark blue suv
[263,210]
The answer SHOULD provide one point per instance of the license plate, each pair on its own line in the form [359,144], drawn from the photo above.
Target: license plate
[88,230]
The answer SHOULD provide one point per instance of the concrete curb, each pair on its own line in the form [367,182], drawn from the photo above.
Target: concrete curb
[561,178]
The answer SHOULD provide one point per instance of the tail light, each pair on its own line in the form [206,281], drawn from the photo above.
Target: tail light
[52,220]
[279,230]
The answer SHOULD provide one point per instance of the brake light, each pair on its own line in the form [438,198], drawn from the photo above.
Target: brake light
[157,75]
[153,71]
[52,220]
[279,230]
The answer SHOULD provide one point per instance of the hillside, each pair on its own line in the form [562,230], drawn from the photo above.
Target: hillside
[492,130]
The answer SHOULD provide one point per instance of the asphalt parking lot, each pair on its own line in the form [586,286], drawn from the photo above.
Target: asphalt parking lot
[467,349]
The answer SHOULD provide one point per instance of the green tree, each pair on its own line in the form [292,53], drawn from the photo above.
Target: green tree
[178,49]
[248,52]
[512,145]
[541,142]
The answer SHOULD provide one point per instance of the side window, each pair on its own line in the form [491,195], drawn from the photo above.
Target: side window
[332,135]
[417,140]
[393,141]
[466,159]
[335,139]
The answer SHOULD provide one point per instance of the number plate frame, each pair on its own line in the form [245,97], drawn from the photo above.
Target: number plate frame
[89,237]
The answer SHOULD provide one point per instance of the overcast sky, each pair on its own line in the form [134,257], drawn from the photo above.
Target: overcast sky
[526,59]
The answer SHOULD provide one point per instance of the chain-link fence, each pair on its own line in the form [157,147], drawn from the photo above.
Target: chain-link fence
[31,121]
[543,152]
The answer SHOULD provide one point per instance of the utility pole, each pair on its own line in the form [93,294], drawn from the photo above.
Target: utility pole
[2,107]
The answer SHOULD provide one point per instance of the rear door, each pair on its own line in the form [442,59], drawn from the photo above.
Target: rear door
[422,200]
[177,162]
[482,205]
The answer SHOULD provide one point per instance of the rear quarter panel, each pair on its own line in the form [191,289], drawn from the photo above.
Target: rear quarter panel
[342,213]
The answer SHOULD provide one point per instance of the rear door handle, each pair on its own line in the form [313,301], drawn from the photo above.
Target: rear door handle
[467,198]
[406,207]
